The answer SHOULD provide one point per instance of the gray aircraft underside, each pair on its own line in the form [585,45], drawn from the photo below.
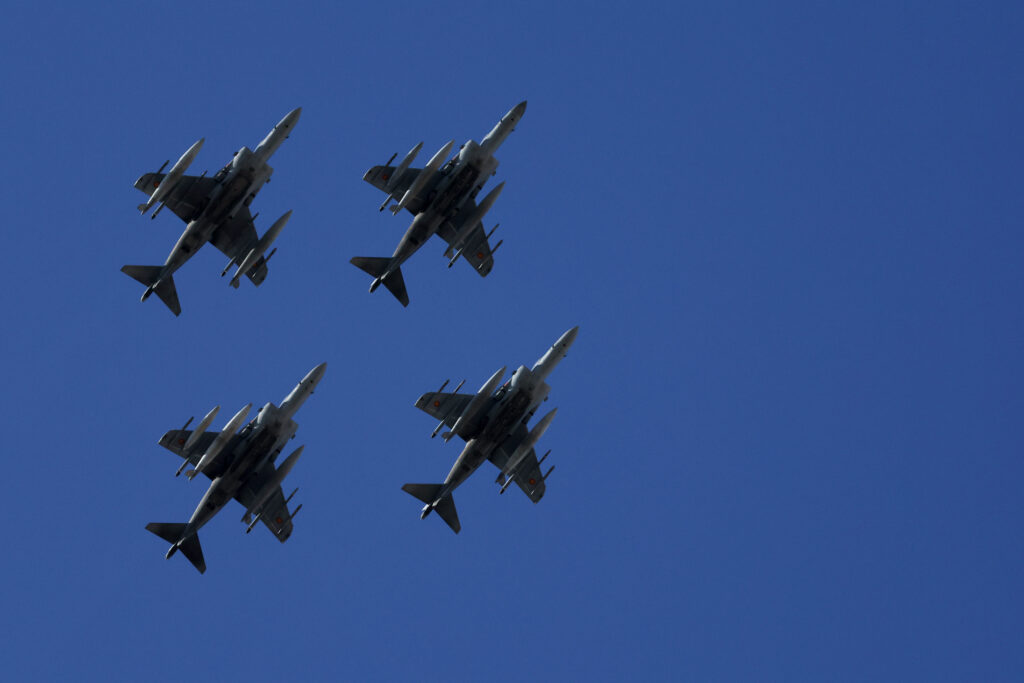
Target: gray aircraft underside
[493,422]
[442,201]
[215,210]
[242,467]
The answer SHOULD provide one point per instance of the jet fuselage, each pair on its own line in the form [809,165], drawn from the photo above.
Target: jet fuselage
[459,180]
[517,401]
[493,423]
[261,439]
[237,185]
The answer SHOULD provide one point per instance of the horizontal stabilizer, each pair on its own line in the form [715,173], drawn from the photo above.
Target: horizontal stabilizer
[371,265]
[424,492]
[169,532]
[147,275]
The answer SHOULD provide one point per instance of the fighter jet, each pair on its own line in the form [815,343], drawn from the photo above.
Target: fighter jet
[493,425]
[442,201]
[241,466]
[216,210]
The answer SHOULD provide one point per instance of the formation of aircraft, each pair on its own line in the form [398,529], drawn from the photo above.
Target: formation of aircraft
[442,201]
[492,422]
[215,210]
[241,460]
[241,467]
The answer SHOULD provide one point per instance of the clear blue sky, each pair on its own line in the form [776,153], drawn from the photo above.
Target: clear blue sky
[789,435]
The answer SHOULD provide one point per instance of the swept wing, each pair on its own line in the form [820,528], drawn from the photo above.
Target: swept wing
[444,406]
[175,439]
[188,198]
[275,515]
[275,511]
[234,237]
[378,176]
[477,251]
[527,474]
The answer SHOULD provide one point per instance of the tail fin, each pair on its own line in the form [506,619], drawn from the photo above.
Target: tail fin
[190,547]
[164,286]
[194,552]
[377,267]
[445,507]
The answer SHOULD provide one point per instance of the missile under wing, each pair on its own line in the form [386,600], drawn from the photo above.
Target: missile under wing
[477,249]
[493,424]
[448,192]
[526,473]
[275,510]
[465,235]
[214,210]
[234,237]
[448,407]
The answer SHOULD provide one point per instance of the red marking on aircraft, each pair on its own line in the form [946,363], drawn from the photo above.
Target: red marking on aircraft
[279,520]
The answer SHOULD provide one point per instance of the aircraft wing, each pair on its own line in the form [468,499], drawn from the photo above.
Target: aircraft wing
[235,237]
[477,251]
[442,406]
[188,198]
[175,439]
[527,474]
[378,176]
[275,513]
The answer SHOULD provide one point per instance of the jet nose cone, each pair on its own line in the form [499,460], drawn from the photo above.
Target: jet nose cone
[519,109]
[568,338]
[316,373]
[292,117]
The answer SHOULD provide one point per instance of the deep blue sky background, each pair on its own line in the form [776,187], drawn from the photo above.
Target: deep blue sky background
[789,435]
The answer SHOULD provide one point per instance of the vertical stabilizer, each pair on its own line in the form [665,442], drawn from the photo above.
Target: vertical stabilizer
[378,268]
[445,507]
[446,511]
[155,281]
[190,547]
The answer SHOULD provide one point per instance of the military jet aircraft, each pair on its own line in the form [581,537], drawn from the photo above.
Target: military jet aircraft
[216,210]
[241,466]
[493,424]
[442,199]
